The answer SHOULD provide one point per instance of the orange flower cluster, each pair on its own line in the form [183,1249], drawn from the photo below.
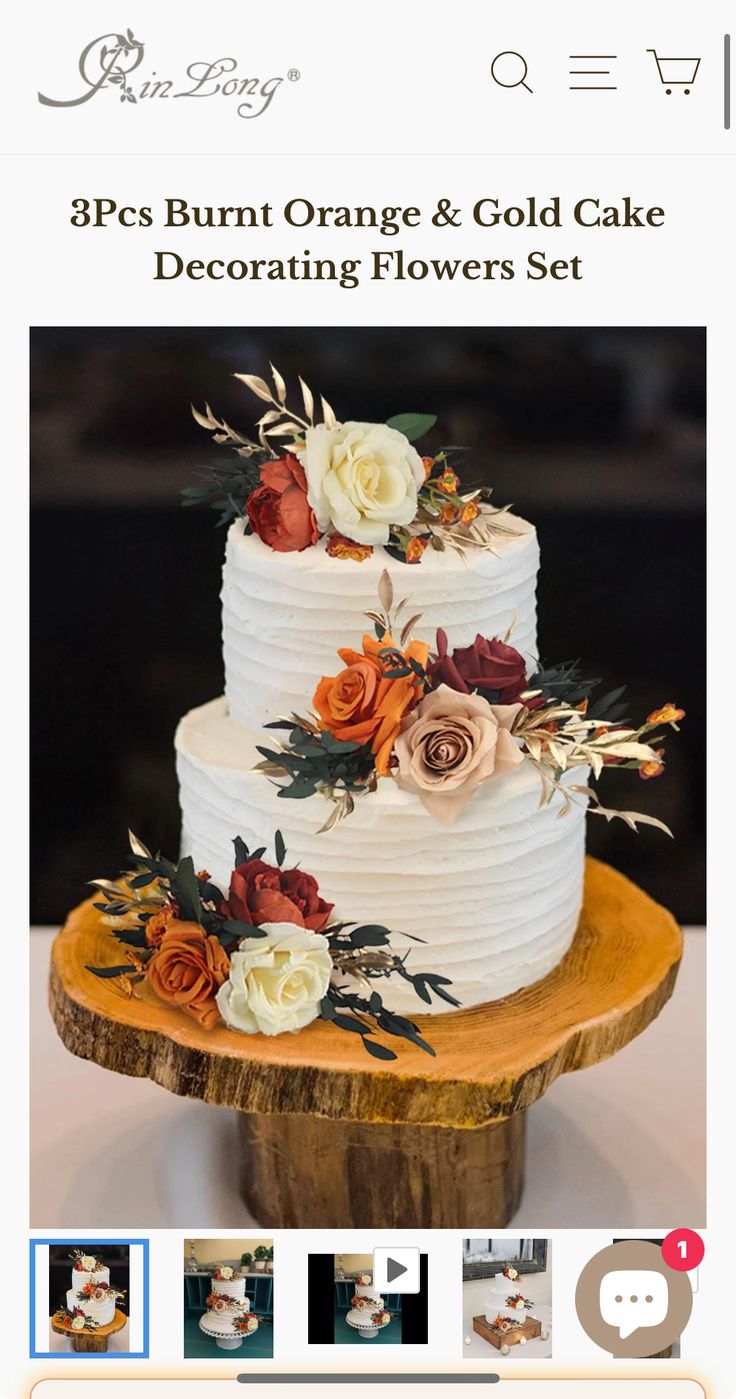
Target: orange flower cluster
[415,548]
[668,714]
[340,547]
[364,705]
[652,768]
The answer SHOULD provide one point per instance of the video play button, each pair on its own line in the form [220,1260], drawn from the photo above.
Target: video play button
[396,1269]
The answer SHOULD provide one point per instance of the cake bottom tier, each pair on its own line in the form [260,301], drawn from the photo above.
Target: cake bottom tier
[362,1320]
[494,898]
[102,1312]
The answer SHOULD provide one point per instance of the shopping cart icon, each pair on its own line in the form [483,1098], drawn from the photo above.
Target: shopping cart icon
[676,72]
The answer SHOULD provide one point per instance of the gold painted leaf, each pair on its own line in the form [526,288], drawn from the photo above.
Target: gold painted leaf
[205,419]
[137,846]
[328,417]
[385,591]
[335,815]
[307,399]
[280,385]
[110,889]
[257,386]
[406,630]
[284,430]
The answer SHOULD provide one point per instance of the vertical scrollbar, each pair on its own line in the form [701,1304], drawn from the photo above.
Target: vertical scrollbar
[727,82]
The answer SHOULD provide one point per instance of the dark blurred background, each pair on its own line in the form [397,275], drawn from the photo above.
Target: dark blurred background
[596,435]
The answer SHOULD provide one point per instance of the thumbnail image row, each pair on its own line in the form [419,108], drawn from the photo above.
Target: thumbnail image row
[92,1298]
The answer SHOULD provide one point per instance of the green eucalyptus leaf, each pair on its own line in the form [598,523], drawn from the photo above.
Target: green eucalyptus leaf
[413,425]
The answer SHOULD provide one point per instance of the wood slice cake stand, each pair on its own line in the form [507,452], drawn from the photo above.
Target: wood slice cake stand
[331,1139]
[96,1340]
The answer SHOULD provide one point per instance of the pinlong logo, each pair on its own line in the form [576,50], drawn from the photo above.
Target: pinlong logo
[114,62]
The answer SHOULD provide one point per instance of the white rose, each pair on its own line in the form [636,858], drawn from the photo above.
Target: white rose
[226,1273]
[362,478]
[78,1323]
[88,1263]
[276,982]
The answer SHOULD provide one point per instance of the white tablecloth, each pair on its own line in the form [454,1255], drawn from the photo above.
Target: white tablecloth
[620,1145]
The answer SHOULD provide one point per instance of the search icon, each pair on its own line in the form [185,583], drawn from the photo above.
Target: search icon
[513,69]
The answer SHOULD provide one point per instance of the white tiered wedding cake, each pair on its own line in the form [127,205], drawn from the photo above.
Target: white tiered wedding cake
[367,1314]
[228,1319]
[514,1306]
[496,899]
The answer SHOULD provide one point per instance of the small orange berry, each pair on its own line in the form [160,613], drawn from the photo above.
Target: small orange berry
[414,549]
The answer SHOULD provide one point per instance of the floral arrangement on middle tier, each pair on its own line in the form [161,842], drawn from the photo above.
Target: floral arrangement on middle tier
[443,724]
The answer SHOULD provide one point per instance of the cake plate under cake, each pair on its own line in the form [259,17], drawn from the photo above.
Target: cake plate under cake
[331,1139]
[226,1342]
[96,1340]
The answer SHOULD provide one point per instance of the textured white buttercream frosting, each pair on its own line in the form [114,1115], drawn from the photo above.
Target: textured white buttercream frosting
[285,615]
[495,898]
[372,1293]
[234,1288]
[221,1324]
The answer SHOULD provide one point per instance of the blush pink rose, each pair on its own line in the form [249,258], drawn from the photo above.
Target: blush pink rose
[450,744]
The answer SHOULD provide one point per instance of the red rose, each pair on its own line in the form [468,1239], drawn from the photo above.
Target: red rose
[278,509]
[486,665]
[261,893]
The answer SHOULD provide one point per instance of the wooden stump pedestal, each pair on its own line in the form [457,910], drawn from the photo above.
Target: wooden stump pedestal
[528,1329]
[333,1139]
[95,1341]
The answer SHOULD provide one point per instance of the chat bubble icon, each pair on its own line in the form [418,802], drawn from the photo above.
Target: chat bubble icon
[633,1297]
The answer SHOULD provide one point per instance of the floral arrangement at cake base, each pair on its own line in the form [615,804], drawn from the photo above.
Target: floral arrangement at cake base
[246,1325]
[264,958]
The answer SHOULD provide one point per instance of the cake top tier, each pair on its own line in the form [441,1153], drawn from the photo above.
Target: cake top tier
[285,614]
[88,1268]
[319,509]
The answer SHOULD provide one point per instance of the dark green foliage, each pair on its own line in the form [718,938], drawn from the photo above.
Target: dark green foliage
[316,760]
[226,486]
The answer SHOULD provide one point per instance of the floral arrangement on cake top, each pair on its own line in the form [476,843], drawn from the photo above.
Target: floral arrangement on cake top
[510,1273]
[264,958]
[443,725]
[86,1262]
[355,485]
[364,1279]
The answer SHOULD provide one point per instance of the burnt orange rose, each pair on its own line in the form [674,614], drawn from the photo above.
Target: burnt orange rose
[188,970]
[261,893]
[278,509]
[362,704]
